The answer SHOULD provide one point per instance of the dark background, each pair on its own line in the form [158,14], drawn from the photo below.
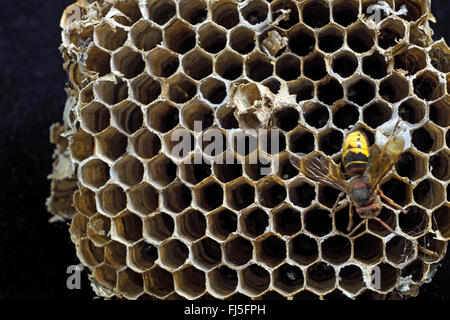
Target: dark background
[35,254]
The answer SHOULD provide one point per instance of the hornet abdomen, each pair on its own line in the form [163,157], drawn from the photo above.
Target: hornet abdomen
[355,155]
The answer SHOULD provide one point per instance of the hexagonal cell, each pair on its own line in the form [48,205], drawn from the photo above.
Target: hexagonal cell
[314,67]
[229,65]
[112,199]
[145,89]
[341,218]
[111,92]
[162,170]
[272,141]
[78,227]
[303,249]
[227,167]
[411,165]
[197,116]
[287,67]
[399,250]
[345,115]
[360,38]
[222,223]
[271,192]
[254,279]
[330,141]
[129,170]
[89,253]
[143,199]
[128,62]
[130,283]
[388,276]
[427,138]
[375,65]
[162,62]
[316,115]
[288,278]
[190,282]
[302,88]
[244,143]
[162,116]
[258,67]
[179,143]
[331,39]
[242,40]
[223,280]
[412,61]
[145,35]
[361,90]
[130,10]
[430,248]
[441,220]
[146,144]
[213,90]
[127,228]
[209,195]
[238,251]
[394,88]
[257,166]
[286,170]
[388,217]
[336,249]
[213,142]
[351,279]
[427,86]
[271,250]
[287,221]
[181,89]
[253,222]
[225,13]
[345,12]
[158,281]
[440,164]
[412,110]
[414,9]
[439,55]
[95,117]
[142,256]
[197,64]
[255,12]
[344,63]
[415,222]
[179,37]
[206,253]
[280,6]
[368,249]
[111,143]
[98,229]
[158,226]
[212,38]
[106,276]
[415,269]
[195,172]
[240,194]
[329,91]
[116,254]
[317,221]
[301,141]
[177,197]
[316,14]
[429,193]
[440,112]
[173,253]
[84,202]
[301,40]
[301,193]
[191,225]
[286,119]
[98,61]
[108,37]
[82,145]
[377,113]
[128,117]
[397,190]
[321,277]
[193,11]
[391,33]
[95,173]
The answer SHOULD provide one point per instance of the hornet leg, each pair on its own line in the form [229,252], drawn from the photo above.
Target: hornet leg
[390,202]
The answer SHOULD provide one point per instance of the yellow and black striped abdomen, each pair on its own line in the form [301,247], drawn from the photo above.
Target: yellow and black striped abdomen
[355,155]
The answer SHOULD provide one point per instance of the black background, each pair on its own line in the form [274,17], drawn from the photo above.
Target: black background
[35,254]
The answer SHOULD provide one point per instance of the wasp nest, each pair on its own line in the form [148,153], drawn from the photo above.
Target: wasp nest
[150,224]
